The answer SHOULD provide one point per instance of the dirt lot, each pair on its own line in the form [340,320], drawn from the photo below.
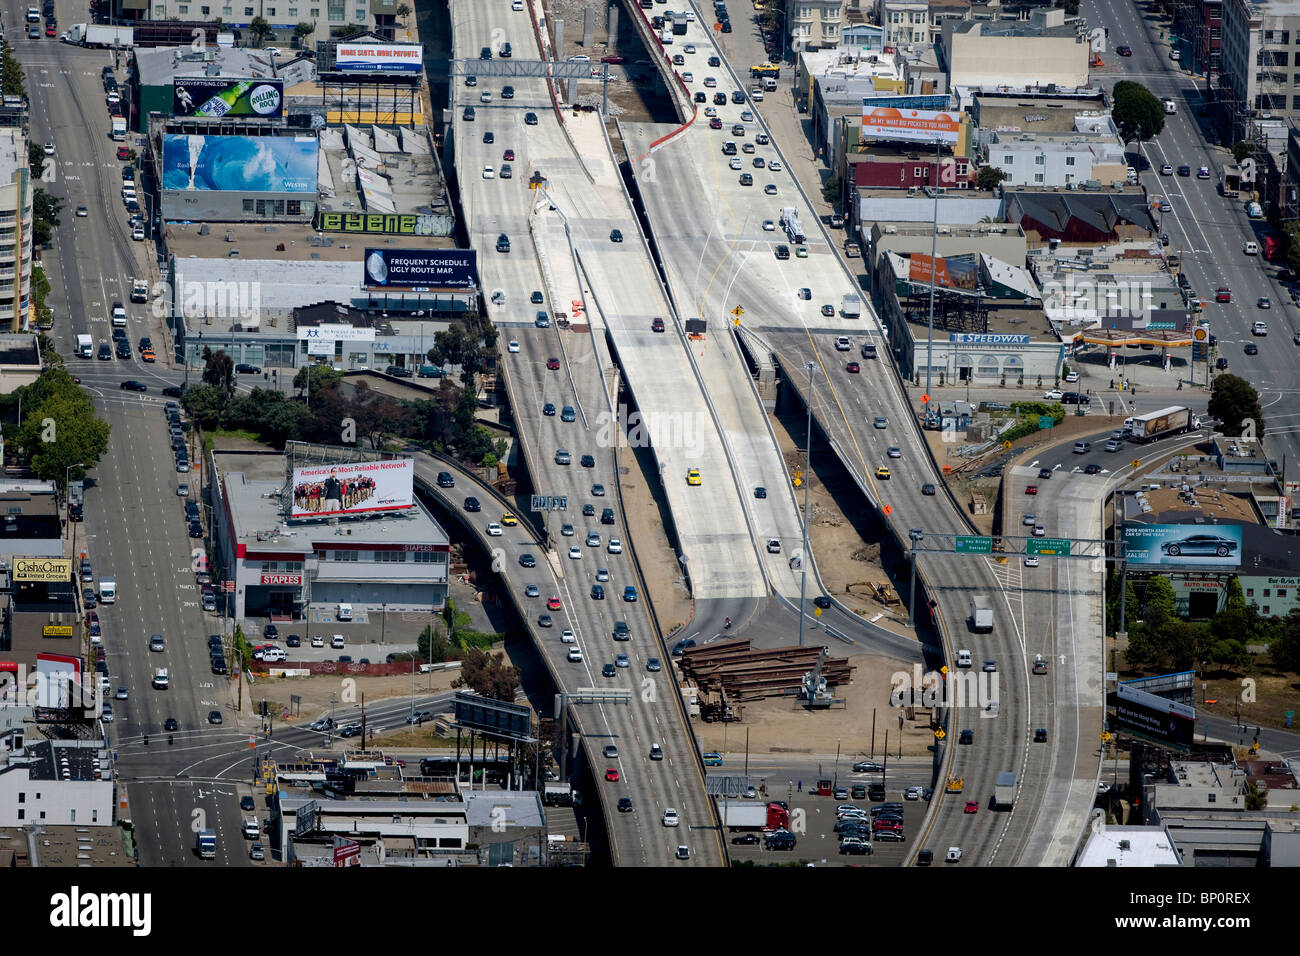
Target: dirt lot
[315,691]
[775,725]
[642,512]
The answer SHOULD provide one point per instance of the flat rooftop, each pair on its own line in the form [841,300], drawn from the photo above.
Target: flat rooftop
[1200,502]
[159,66]
[281,242]
[1032,115]
[260,521]
[1274,8]
[13,153]
[1128,847]
[923,230]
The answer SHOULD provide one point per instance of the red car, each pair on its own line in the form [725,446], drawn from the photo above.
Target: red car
[1031,490]
[1224,294]
[972,806]
[854,367]
[715,123]
[611,775]
[553,364]
[508,156]
[612,59]
[124,152]
[657,325]
[553,604]
[50,30]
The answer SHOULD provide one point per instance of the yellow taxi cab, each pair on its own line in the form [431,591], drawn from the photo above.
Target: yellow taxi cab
[148,355]
[883,473]
[508,519]
[693,477]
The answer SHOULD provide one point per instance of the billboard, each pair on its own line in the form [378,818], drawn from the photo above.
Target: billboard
[925,126]
[355,488]
[42,569]
[420,270]
[335,332]
[385,223]
[378,58]
[212,97]
[258,164]
[1181,545]
[56,676]
[1165,721]
[953,272]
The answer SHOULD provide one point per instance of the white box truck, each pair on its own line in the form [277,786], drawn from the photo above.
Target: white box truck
[107,591]
[85,346]
[851,307]
[1004,791]
[981,614]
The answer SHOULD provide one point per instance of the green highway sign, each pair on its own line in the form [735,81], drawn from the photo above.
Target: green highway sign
[1058,546]
[967,544]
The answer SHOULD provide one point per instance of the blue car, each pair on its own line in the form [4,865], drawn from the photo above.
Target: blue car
[629,594]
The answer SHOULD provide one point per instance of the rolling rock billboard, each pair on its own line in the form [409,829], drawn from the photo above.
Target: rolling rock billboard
[213,97]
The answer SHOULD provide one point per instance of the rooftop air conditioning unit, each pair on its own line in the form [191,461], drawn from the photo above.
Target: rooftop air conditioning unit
[891,229]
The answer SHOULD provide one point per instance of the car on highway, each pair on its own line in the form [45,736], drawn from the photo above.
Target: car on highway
[553,603]
[1044,473]
[494,529]
[882,473]
[1031,561]
[553,365]
[544,620]
[1040,735]
[615,546]
[629,594]
[1093,469]
[654,665]
[612,775]
[133,386]
[1124,50]
[657,324]
[1184,170]
[1250,248]
[1203,172]
[670,817]
[489,172]
[853,368]
[693,477]
[895,452]
[1251,349]
[214,716]
[1167,169]
[616,235]
[1264,302]
[575,553]
[770,190]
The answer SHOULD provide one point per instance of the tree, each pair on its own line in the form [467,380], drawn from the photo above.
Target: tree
[1242,149]
[45,216]
[219,370]
[488,675]
[259,30]
[36,159]
[12,82]
[831,190]
[403,11]
[1158,603]
[989,177]
[433,645]
[301,31]
[319,375]
[1233,401]
[59,426]
[205,404]
[1136,111]
[1285,649]
[378,417]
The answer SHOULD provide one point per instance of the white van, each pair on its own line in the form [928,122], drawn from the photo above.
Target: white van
[1170,107]
[963,658]
[344,613]
[1082,447]
[107,591]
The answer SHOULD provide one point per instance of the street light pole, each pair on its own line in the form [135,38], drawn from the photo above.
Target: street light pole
[807,471]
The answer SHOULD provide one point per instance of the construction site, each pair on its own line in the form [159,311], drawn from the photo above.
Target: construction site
[722,678]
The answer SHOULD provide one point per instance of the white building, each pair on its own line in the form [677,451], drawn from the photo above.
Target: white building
[15,230]
[55,780]
[283,17]
[1016,53]
[395,559]
[1060,159]
[905,21]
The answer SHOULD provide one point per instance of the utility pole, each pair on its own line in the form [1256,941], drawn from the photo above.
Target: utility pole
[934,267]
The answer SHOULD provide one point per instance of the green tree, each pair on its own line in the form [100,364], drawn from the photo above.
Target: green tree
[1137,112]
[259,30]
[434,646]
[831,191]
[36,159]
[219,370]
[205,404]
[488,674]
[1285,649]
[1233,401]
[1158,603]
[320,376]
[403,11]
[301,31]
[59,426]
[1256,799]
[1242,149]
[45,216]
[989,177]
[12,82]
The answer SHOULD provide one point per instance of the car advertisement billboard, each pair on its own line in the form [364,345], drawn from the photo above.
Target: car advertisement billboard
[1157,718]
[354,488]
[1181,545]
[887,122]
[378,58]
[420,270]
[213,97]
[265,164]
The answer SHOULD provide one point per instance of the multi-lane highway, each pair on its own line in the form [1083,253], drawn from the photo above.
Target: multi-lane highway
[1209,231]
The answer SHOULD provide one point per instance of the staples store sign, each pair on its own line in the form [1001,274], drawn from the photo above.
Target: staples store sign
[285,579]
